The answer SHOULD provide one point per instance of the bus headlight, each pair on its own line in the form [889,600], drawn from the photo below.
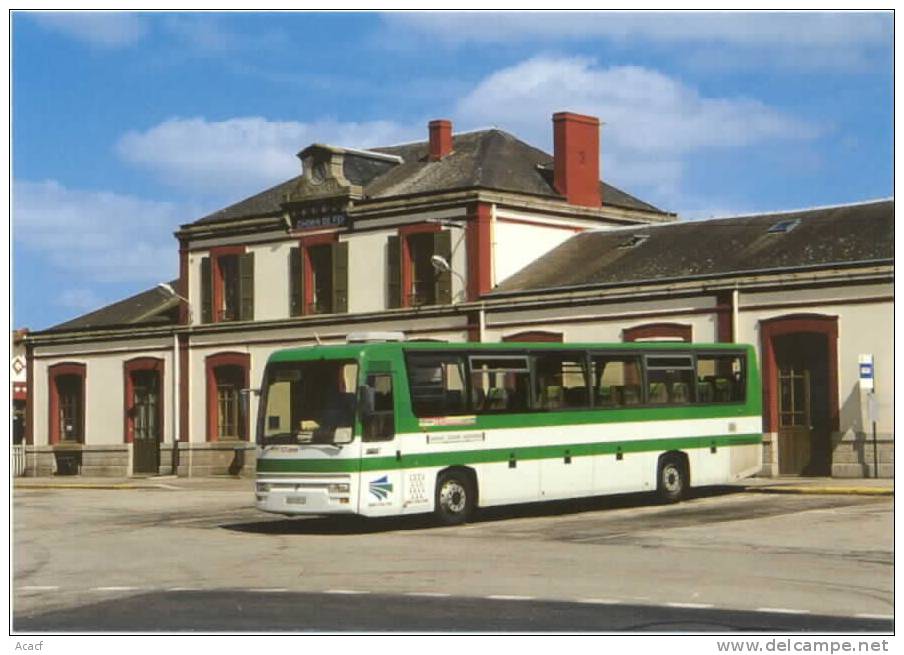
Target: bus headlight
[263,487]
[339,488]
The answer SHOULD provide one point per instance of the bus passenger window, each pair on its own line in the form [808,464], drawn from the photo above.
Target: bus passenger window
[670,380]
[560,381]
[500,383]
[720,378]
[379,423]
[616,380]
[437,383]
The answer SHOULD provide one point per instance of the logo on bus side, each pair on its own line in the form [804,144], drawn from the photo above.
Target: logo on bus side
[381,487]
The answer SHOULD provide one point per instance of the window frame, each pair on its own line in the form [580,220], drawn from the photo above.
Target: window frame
[66,369]
[211,364]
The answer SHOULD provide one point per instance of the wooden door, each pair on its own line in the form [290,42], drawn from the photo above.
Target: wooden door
[804,421]
[145,413]
[794,431]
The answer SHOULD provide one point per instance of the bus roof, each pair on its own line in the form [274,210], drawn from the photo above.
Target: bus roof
[357,351]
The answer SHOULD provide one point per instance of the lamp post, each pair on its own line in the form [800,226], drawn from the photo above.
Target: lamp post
[440,265]
[168,288]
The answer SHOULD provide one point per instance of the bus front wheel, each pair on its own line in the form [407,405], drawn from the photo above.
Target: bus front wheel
[672,483]
[455,497]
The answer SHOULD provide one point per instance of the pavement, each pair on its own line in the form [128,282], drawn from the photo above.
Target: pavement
[777,485]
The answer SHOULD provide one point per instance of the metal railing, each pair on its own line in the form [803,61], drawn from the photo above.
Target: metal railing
[17,460]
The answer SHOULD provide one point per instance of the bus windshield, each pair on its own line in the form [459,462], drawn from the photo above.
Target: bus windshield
[308,402]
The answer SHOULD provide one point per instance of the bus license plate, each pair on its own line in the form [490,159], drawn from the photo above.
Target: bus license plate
[296,500]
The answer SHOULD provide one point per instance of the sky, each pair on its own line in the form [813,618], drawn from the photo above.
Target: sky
[127,125]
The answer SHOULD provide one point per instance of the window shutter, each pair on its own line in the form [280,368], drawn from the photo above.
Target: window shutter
[339,257]
[394,271]
[246,286]
[295,282]
[442,246]
[206,291]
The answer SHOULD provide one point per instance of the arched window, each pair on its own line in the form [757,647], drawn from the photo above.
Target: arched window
[227,374]
[658,332]
[67,402]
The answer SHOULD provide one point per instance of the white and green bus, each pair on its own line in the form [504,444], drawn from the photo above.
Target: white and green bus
[394,428]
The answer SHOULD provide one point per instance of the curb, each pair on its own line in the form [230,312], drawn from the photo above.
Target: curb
[840,491]
[51,485]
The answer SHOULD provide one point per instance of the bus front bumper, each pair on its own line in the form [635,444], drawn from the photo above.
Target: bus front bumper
[306,495]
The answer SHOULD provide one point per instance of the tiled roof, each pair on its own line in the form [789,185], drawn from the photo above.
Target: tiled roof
[490,159]
[818,237]
[152,307]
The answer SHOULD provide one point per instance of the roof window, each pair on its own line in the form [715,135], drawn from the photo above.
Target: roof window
[634,240]
[783,227]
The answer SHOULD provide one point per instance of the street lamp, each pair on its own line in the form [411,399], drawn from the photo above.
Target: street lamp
[168,288]
[440,265]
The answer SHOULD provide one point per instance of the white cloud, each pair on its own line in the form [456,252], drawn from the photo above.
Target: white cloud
[835,41]
[653,123]
[758,28]
[242,155]
[107,29]
[100,236]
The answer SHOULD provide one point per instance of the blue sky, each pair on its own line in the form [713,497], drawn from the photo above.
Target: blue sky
[127,125]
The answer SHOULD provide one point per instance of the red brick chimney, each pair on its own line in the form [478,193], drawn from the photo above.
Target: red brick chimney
[440,139]
[576,140]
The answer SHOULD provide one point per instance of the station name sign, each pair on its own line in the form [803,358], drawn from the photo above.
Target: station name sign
[339,219]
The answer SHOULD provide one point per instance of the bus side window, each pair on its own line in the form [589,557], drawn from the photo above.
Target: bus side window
[560,381]
[720,378]
[616,380]
[379,422]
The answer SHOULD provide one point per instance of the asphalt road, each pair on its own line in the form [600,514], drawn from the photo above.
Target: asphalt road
[244,611]
[170,560]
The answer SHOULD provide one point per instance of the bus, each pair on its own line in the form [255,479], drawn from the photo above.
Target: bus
[397,428]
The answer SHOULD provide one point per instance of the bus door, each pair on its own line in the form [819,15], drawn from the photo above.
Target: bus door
[380,491]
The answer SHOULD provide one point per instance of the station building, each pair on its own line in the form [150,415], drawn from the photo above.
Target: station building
[475,236]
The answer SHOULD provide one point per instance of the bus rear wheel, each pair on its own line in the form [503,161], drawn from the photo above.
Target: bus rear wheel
[672,480]
[455,497]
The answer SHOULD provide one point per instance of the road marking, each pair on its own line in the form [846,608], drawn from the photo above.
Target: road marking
[600,601]
[881,617]
[345,591]
[781,610]
[428,594]
[268,590]
[38,588]
[115,588]
[184,589]
[691,605]
[506,597]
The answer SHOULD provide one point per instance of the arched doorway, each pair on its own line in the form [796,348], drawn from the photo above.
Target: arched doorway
[800,390]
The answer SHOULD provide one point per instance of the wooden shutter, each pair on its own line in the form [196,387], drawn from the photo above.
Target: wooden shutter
[206,291]
[339,258]
[296,282]
[394,271]
[246,287]
[442,246]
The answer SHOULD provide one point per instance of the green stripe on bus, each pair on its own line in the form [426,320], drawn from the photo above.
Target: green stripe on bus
[416,460]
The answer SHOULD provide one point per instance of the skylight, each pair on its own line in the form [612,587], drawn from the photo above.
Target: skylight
[783,227]
[634,240]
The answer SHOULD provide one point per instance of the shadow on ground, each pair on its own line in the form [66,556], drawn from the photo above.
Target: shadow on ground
[236,610]
[351,525]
